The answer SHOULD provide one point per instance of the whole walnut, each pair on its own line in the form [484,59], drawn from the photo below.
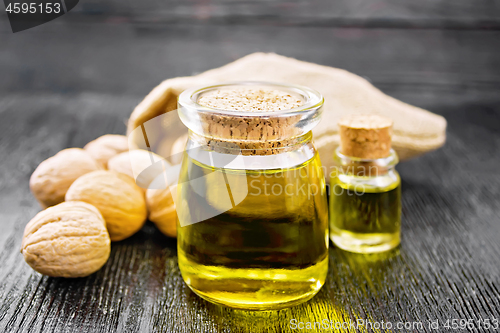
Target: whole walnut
[120,201]
[106,146]
[134,162]
[52,178]
[162,211]
[66,240]
[160,203]
[178,148]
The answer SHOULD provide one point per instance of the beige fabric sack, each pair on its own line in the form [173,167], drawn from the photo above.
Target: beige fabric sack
[416,131]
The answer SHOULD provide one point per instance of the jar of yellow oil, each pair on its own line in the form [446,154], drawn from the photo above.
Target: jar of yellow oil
[365,188]
[251,198]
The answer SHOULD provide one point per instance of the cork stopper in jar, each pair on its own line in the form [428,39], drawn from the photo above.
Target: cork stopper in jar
[258,118]
[365,136]
[253,135]
[250,99]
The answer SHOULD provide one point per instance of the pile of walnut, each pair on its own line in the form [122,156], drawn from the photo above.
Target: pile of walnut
[91,199]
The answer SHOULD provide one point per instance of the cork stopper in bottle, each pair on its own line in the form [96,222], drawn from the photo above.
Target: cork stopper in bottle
[365,136]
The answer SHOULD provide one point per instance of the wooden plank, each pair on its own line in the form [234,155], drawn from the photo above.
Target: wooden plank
[55,93]
[442,13]
[447,267]
[132,59]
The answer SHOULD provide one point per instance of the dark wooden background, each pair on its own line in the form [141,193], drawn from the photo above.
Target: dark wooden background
[66,82]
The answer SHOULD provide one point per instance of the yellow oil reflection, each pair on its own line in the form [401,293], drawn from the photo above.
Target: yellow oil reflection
[340,306]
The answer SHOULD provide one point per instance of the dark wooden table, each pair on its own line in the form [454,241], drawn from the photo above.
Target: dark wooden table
[66,82]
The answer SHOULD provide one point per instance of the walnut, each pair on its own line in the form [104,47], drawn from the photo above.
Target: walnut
[161,204]
[134,162]
[162,211]
[52,178]
[67,240]
[178,148]
[120,201]
[106,146]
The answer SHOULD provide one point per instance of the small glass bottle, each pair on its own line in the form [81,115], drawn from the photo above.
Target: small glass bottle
[365,188]
[251,201]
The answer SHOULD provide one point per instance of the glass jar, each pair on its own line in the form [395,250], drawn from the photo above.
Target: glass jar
[251,201]
[365,203]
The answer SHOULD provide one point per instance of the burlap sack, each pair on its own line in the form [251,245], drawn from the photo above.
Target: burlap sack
[416,131]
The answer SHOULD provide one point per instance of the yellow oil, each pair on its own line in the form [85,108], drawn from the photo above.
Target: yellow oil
[269,250]
[365,219]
